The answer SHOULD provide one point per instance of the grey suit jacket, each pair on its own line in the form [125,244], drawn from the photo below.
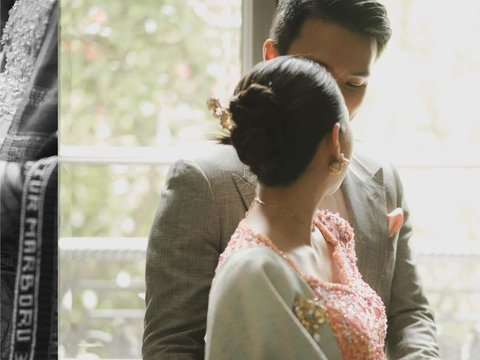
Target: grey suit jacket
[201,206]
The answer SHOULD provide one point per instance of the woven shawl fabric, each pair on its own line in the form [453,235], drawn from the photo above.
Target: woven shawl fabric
[31,332]
[29,79]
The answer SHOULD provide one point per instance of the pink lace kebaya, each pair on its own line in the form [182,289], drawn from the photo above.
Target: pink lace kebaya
[355,312]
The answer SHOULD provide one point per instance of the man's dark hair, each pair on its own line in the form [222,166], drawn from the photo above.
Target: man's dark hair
[365,17]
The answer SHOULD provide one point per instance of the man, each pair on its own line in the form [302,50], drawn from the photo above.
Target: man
[204,200]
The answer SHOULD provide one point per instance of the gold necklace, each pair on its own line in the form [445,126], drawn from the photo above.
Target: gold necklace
[311,226]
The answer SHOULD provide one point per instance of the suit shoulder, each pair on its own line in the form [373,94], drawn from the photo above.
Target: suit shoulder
[220,158]
[376,167]
[385,174]
[370,163]
[213,160]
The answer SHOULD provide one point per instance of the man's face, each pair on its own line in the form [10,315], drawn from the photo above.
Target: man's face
[347,55]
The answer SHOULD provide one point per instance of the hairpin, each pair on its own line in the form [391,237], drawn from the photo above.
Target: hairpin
[221,113]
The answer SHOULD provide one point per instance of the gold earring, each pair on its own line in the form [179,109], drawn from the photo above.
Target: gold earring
[336,166]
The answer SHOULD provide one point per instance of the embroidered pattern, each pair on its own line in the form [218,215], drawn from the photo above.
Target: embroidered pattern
[311,314]
[21,42]
[355,312]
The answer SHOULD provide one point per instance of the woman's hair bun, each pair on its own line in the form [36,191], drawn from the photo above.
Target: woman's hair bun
[255,103]
[257,135]
[280,112]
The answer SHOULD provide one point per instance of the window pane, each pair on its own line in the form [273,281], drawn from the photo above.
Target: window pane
[109,200]
[445,206]
[138,73]
[424,89]
[101,303]
[451,284]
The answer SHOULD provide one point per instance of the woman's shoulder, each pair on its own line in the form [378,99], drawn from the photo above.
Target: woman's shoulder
[212,162]
[258,270]
[250,260]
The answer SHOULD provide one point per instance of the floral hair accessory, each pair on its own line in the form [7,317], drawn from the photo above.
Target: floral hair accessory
[221,113]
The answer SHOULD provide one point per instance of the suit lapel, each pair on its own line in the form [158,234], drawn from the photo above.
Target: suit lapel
[246,185]
[364,194]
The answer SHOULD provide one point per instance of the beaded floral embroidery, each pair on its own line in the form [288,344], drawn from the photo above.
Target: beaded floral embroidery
[21,42]
[356,313]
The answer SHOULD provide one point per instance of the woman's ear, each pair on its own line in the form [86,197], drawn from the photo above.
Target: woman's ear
[269,50]
[335,142]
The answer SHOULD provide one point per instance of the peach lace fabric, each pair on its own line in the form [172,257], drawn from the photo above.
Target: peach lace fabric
[355,312]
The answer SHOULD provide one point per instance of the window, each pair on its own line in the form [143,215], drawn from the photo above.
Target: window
[135,77]
[134,80]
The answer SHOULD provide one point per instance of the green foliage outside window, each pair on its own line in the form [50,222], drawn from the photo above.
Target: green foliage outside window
[139,73]
[133,73]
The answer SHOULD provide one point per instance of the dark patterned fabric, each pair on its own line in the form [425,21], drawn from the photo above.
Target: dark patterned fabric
[28,182]
[5,6]
[35,121]
[29,259]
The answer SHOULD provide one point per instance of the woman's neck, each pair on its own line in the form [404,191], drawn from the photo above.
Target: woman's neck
[284,214]
[298,203]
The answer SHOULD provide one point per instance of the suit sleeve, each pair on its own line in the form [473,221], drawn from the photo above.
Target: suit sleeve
[250,313]
[182,254]
[411,327]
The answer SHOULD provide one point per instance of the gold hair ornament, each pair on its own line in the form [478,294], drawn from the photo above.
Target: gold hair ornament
[221,113]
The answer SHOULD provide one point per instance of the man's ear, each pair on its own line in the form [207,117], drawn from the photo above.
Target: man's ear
[269,50]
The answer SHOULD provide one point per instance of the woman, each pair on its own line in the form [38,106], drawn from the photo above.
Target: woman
[287,286]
